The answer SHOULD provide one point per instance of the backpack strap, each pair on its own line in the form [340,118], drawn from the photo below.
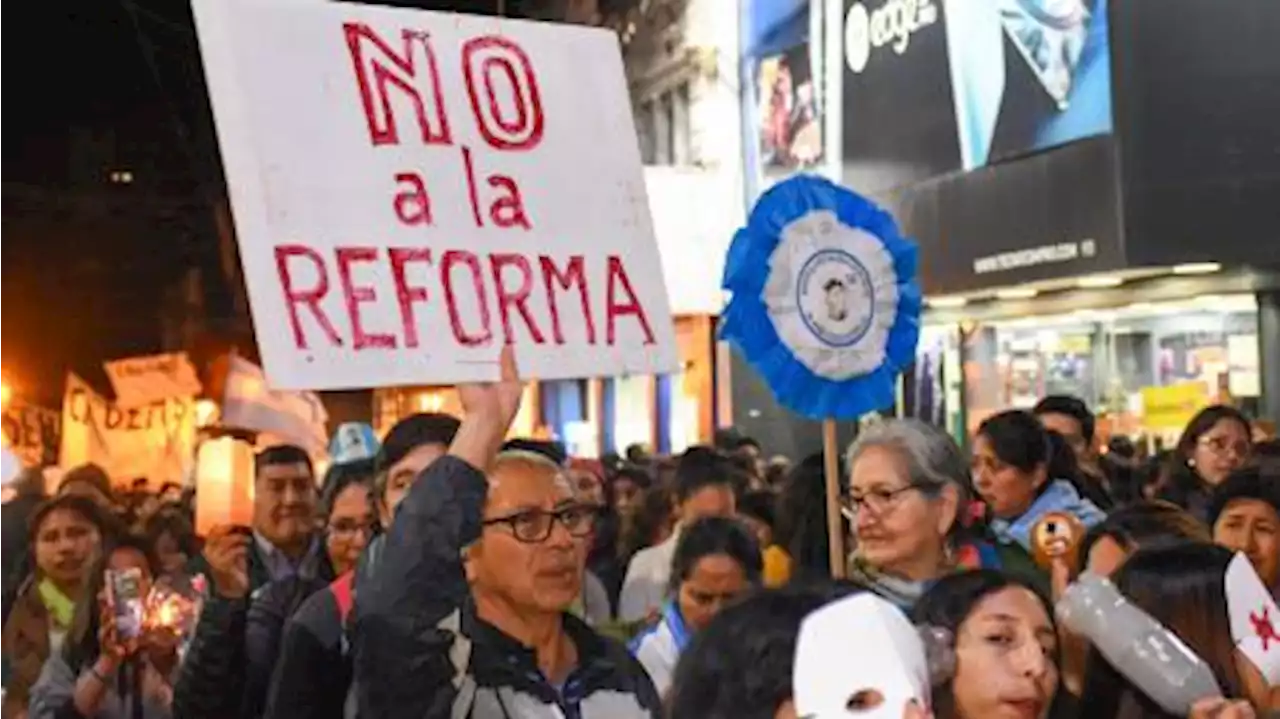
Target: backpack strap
[342,592]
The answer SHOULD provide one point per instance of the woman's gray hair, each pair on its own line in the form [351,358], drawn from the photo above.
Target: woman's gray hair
[933,458]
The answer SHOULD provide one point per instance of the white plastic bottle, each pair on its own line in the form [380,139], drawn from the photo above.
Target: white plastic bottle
[1150,656]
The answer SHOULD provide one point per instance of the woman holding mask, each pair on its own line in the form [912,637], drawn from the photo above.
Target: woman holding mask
[716,561]
[1216,442]
[1005,642]
[101,672]
[66,537]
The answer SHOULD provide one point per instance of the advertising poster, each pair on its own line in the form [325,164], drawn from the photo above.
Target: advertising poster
[935,86]
[782,97]
[790,124]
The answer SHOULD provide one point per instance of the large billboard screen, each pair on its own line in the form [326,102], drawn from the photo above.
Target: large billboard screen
[935,86]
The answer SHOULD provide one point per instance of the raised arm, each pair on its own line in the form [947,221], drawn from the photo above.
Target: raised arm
[403,635]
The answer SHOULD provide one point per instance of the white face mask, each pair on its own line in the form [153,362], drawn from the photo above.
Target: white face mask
[859,658]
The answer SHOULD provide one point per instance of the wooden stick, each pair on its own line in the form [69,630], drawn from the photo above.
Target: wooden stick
[835,527]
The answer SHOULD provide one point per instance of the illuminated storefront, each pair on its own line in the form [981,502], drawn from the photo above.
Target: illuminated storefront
[1125,361]
[1073,239]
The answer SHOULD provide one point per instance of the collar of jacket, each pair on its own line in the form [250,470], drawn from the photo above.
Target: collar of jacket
[500,653]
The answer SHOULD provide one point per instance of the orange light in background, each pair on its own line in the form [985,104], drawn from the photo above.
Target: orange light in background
[206,413]
[430,402]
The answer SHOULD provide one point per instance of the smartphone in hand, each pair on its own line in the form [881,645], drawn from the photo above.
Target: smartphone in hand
[124,589]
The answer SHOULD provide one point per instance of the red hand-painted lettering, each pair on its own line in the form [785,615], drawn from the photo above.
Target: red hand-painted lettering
[490,56]
[472,264]
[517,298]
[310,297]
[407,294]
[463,282]
[617,279]
[572,275]
[378,69]
[354,295]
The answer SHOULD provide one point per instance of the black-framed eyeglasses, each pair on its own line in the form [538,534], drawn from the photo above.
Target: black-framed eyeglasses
[879,500]
[534,526]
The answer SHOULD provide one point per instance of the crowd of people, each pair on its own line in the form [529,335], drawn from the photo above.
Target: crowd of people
[456,572]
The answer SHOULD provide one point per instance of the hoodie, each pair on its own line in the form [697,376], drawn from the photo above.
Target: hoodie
[1060,496]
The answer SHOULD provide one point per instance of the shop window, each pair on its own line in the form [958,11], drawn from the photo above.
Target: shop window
[1113,358]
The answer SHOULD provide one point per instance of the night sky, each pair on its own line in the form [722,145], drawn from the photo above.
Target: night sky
[97,88]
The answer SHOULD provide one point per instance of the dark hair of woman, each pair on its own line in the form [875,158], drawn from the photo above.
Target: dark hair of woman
[951,600]
[1145,525]
[654,517]
[802,519]
[340,476]
[88,510]
[760,505]
[740,666]
[81,647]
[1178,479]
[173,522]
[1019,440]
[1183,588]
[713,536]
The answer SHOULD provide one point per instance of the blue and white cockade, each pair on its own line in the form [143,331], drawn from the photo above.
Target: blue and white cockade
[825,303]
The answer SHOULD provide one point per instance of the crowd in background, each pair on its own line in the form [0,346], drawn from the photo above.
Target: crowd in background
[454,572]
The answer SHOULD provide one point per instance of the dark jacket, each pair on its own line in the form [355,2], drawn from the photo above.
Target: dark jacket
[422,653]
[316,564]
[227,670]
[15,541]
[313,676]
[269,612]
[211,680]
[26,646]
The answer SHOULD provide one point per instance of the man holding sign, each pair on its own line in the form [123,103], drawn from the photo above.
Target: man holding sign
[413,191]
[468,615]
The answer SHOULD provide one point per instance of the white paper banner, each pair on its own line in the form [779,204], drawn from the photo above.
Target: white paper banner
[292,417]
[142,380]
[155,441]
[413,189]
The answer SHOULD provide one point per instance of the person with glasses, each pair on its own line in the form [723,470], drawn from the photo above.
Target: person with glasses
[909,503]
[347,513]
[1216,442]
[467,615]
[312,680]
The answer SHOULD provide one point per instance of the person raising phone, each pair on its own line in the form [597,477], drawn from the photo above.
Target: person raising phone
[111,666]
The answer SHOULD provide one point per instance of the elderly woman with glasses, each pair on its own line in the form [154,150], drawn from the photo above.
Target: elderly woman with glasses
[910,501]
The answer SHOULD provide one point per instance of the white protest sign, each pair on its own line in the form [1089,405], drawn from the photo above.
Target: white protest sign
[294,417]
[143,380]
[155,441]
[412,189]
